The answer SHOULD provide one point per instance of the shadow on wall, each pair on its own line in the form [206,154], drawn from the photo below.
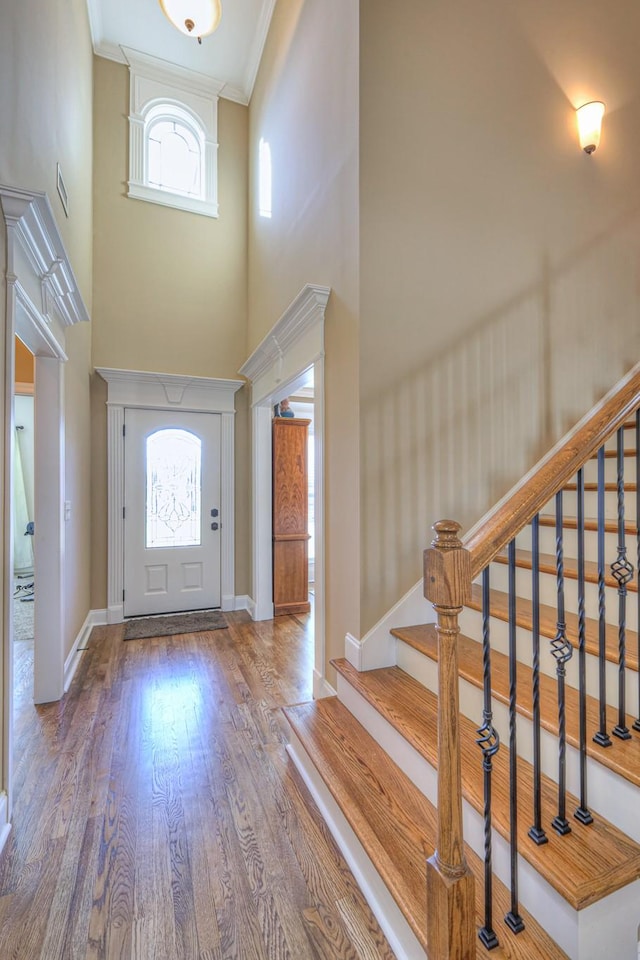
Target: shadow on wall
[457,433]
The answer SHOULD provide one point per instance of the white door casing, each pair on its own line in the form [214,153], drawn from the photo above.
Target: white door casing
[276,366]
[42,301]
[172,511]
[163,391]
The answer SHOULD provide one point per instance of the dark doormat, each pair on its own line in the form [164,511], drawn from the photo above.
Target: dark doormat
[141,628]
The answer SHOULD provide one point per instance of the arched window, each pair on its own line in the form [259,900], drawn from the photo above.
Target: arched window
[174,149]
[172,137]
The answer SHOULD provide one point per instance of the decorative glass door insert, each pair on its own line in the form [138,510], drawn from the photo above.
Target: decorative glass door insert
[173,494]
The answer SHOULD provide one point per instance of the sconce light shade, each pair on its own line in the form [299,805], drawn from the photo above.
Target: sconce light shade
[589,124]
[194,18]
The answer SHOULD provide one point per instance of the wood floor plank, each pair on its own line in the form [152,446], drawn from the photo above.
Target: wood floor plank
[157,816]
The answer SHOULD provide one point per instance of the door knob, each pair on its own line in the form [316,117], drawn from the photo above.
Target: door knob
[214,526]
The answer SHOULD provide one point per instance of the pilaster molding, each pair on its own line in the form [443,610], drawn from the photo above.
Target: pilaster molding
[166,391]
[29,217]
[302,324]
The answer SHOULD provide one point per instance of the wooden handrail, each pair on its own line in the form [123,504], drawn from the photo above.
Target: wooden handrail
[498,527]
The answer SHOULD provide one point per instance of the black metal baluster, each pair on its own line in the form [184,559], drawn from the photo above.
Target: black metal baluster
[562,651]
[489,742]
[636,725]
[536,832]
[622,572]
[602,737]
[513,919]
[582,812]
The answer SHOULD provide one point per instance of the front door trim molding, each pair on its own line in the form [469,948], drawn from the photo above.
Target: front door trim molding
[166,391]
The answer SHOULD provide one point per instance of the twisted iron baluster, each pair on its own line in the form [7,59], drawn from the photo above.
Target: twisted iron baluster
[536,832]
[582,812]
[562,651]
[513,919]
[636,725]
[622,571]
[489,742]
[601,737]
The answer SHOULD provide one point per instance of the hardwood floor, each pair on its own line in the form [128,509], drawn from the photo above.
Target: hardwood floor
[158,816]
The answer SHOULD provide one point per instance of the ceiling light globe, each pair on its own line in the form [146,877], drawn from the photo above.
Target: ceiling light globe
[195,18]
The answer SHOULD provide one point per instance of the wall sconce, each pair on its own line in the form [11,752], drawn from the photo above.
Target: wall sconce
[589,124]
[195,18]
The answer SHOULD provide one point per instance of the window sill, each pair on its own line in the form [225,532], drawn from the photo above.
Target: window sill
[192,205]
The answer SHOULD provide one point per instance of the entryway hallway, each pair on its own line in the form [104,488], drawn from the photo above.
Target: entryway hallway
[159,817]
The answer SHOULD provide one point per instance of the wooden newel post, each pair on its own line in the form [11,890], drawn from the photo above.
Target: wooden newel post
[451,933]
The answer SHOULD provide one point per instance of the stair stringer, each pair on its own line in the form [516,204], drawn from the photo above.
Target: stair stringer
[606,928]
[401,937]
[378,647]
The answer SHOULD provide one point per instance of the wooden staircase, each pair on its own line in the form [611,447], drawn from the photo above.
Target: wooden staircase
[395,760]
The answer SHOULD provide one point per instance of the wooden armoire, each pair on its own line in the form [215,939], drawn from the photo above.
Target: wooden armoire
[290,516]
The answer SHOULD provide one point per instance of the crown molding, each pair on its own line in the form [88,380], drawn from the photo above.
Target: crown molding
[165,72]
[257,47]
[305,312]
[29,213]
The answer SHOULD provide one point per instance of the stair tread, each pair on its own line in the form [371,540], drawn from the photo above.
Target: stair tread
[590,524]
[611,454]
[583,867]
[547,562]
[609,487]
[395,822]
[623,759]
[499,605]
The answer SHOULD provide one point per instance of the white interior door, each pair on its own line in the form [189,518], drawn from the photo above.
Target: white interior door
[172,516]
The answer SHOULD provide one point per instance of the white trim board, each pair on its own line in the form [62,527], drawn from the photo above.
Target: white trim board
[275,369]
[42,300]
[165,391]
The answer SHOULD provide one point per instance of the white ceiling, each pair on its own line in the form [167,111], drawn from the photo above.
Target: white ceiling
[230,55]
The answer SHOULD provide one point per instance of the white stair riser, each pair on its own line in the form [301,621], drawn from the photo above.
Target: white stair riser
[587,934]
[608,794]
[499,579]
[471,626]
[610,469]
[547,544]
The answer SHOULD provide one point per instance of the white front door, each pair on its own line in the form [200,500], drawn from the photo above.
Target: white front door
[172,517]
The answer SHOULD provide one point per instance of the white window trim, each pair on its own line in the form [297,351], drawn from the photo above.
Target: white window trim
[153,83]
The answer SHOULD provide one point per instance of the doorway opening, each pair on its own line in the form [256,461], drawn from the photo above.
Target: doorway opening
[23,501]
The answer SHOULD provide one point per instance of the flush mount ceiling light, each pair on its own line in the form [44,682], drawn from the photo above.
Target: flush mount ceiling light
[194,18]
[590,124]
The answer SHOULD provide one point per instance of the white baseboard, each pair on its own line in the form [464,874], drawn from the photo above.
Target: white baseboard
[244,602]
[5,825]
[401,938]
[321,687]
[93,619]
[378,647]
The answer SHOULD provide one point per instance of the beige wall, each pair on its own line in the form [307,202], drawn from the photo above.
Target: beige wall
[305,105]
[170,288]
[46,118]
[499,294]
